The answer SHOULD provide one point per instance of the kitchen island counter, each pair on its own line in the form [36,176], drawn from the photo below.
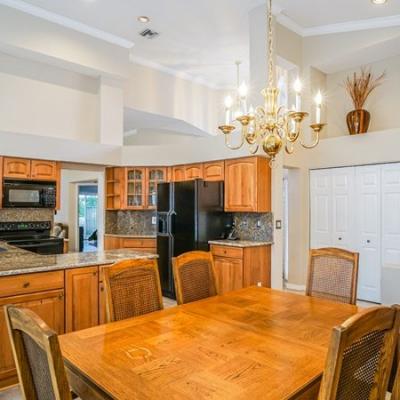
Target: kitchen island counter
[15,261]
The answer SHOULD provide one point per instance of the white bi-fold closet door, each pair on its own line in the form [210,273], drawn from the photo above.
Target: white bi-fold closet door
[358,208]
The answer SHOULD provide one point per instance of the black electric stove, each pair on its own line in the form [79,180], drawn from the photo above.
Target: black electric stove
[33,236]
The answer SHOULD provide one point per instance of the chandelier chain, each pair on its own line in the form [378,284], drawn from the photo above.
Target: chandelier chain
[270,60]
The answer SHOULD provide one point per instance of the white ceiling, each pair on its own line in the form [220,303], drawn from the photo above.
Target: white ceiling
[201,39]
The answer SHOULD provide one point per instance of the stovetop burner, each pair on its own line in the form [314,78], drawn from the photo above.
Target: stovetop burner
[32,236]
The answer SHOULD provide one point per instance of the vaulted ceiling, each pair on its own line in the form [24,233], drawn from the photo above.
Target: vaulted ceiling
[202,39]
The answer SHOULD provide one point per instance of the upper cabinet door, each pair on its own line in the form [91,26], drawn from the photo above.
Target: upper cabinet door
[193,171]
[248,185]
[136,188]
[154,176]
[214,171]
[178,173]
[19,168]
[44,170]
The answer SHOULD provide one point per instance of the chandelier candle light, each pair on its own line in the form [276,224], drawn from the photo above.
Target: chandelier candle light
[270,126]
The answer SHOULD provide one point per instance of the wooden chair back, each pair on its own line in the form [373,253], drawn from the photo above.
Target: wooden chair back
[360,356]
[194,276]
[333,274]
[37,356]
[132,288]
[396,386]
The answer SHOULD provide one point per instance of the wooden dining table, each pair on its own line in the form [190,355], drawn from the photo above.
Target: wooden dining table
[255,343]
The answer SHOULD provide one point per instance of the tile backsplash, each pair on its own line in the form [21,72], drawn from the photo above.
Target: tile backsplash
[26,214]
[249,226]
[130,222]
[254,226]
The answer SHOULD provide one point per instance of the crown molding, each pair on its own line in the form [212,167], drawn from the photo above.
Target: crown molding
[67,23]
[343,27]
[353,26]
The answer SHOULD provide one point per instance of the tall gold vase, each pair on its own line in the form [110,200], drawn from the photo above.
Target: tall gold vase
[358,121]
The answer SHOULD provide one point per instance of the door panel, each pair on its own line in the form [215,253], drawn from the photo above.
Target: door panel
[391,216]
[368,222]
[320,209]
[342,208]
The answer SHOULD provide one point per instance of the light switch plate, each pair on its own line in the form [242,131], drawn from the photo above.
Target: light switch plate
[153,220]
[278,224]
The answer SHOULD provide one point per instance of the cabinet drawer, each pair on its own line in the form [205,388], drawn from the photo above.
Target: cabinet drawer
[29,283]
[226,251]
[128,243]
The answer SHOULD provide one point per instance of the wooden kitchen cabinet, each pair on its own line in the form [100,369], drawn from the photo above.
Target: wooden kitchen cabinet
[178,173]
[148,245]
[154,176]
[135,188]
[214,171]
[112,242]
[238,267]
[247,185]
[193,171]
[19,168]
[114,188]
[229,273]
[81,298]
[44,170]
[48,305]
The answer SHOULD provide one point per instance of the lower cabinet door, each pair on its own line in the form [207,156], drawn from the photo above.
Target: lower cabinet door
[49,306]
[102,304]
[229,274]
[82,298]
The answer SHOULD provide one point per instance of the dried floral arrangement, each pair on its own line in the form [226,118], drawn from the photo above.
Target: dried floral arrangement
[359,87]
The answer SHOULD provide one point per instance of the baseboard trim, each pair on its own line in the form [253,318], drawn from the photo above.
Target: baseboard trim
[298,288]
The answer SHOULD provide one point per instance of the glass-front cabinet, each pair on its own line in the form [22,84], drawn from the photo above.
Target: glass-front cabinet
[136,188]
[154,175]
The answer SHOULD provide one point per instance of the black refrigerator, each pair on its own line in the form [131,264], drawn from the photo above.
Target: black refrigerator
[189,214]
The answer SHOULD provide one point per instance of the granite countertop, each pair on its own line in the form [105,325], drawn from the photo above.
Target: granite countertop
[239,243]
[16,261]
[154,236]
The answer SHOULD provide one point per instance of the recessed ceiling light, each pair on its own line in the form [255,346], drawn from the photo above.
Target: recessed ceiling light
[143,19]
[379,1]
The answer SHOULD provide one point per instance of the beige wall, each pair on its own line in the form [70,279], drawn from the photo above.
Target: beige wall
[42,100]
[382,103]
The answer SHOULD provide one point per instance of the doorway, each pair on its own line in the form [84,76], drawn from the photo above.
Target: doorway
[285,226]
[88,217]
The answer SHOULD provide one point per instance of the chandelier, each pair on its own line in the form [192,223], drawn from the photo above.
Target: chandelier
[270,126]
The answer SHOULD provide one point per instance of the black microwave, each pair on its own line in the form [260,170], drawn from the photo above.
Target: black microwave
[29,194]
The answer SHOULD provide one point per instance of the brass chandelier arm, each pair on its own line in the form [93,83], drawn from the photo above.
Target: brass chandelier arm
[312,145]
[231,146]
[253,149]
[317,128]
[289,149]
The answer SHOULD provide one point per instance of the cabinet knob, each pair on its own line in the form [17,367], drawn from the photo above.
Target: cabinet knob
[368,241]
[340,238]
[26,284]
